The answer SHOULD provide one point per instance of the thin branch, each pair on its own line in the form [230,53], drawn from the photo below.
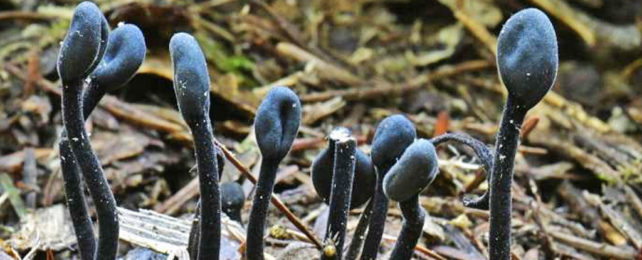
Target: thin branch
[275,199]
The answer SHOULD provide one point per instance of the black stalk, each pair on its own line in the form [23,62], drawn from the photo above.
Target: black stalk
[192,86]
[500,192]
[392,136]
[75,198]
[194,233]
[483,154]
[132,52]
[74,193]
[527,62]
[276,125]
[341,192]
[90,166]
[258,213]
[413,221]
[210,220]
[322,172]
[362,186]
[354,249]
[415,170]
[80,53]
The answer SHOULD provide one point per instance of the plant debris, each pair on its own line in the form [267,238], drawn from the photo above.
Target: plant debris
[578,168]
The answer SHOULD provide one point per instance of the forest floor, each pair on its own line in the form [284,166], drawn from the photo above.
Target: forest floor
[578,171]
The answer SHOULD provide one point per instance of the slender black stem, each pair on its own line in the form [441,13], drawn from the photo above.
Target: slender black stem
[75,197]
[500,190]
[377,219]
[210,220]
[484,155]
[91,96]
[340,195]
[92,171]
[413,222]
[359,233]
[258,214]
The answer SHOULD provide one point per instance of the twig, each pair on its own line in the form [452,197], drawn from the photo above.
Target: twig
[184,194]
[291,31]
[478,30]
[528,126]
[536,204]
[633,199]
[621,225]
[594,247]
[325,69]
[388,90]
[22,15]
[275,200]
[418,248]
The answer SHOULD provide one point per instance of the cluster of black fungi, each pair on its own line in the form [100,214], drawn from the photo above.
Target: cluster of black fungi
[93,60]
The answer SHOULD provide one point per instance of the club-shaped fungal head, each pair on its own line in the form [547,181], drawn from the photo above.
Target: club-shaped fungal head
[81,49]
[124,55]
[191,79]
[232,199]
[527,56]
[104,39]
[391,138]
[277,122]
[364,175]
[415,170]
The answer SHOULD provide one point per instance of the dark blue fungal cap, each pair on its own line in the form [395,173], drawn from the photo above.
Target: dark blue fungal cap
[81,50]
[415,170]
[527,56]
[391,138]
[277,122]
[364,176]
[125,53]
[191,79]
[232,196]
[104,39]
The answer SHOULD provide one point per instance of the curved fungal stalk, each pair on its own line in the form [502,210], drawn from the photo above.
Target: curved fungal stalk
[392,136]
[343,171]
[92,95]
[78,55]
[276,125]
[322,172]
[354,249]
[484,155]
[527,61]
[192,88]
[76,202]
[415,170]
